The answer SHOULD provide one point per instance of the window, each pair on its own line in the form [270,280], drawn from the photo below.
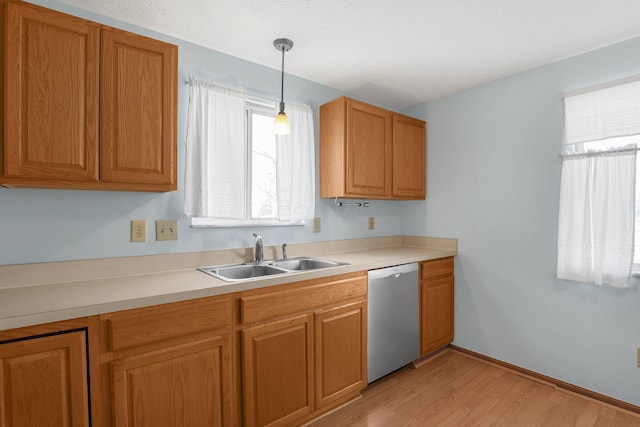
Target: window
[599,218]
[238,173]
[262,156]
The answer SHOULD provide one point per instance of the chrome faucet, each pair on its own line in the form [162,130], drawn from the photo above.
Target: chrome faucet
[259,254]
[284,251]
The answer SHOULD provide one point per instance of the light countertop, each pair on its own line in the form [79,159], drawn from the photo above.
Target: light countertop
[33,294]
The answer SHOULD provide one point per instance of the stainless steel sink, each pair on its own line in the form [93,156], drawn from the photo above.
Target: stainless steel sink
[234,273]
[304,263]
[239,272]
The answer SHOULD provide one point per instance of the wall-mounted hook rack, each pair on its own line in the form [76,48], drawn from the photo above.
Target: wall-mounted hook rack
[356,204]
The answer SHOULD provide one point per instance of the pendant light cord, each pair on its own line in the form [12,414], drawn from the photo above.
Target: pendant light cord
[282,84]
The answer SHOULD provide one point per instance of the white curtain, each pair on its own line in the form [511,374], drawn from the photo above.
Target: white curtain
[596,220]
[296,166]
[214,173]
[215,184]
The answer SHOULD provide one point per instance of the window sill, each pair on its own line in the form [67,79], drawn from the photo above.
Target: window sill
[228,223]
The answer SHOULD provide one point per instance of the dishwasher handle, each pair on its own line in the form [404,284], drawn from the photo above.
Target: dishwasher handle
[393,272]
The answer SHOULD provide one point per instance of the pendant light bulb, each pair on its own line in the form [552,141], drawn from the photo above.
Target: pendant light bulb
[281,122]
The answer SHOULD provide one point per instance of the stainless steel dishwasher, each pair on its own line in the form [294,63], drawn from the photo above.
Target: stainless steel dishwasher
[394,319]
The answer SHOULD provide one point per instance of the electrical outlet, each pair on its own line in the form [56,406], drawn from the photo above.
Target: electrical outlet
[316,224]
[638,357]
[166,229]
[372,223]
[138,230]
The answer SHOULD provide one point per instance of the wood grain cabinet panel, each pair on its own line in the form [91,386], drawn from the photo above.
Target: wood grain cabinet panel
[51,95]
[183,385]
[436,304]
[170,364]
[138,107]
[369,152]
[341,352]
[160,323]
[409,157]
[44,381]
[85,106]
[303,348]
[320,293]
[278,371]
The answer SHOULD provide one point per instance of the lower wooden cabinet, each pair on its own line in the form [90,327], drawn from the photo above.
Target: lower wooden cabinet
[278,371]
[44,381]
[272,356]
[173,386]
[341,352]
[436,304]
[303,348]
[44,378]
[170,365]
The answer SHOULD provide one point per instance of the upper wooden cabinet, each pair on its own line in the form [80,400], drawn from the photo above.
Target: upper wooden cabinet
[86,106]
[138,110]
[51,73]
[409,157]
[370,152]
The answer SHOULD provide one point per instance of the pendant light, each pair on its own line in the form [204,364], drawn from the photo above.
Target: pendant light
[281,123]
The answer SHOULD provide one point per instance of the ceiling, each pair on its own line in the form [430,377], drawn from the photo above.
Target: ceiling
[397,53]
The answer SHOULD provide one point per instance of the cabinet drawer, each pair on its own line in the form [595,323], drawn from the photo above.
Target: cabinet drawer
[254,308]
[440,281]
[147,325]
[436,268]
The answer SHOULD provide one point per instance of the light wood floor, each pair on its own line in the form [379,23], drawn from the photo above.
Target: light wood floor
[454,389]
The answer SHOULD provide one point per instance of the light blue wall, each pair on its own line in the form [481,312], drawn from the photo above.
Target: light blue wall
[53,225]
[493,180]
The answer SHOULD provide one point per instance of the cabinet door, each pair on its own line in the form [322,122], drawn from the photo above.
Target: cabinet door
[368,150]
[51,95]
[44,382]
[277,364]
[183,385]
[341,352]
[437,304]
[138,111]
[409,157]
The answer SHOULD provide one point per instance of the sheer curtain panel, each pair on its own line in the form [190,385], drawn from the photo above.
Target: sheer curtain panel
[296,166]
[596,220]
[215,159]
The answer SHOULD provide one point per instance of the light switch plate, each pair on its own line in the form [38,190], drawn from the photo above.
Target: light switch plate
[316,224]
[166,229]
[138,230]
[372,223]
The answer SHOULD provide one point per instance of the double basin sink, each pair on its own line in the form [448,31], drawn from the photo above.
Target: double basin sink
[251,270]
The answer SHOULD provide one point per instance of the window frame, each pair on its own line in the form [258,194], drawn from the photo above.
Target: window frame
[252,106]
